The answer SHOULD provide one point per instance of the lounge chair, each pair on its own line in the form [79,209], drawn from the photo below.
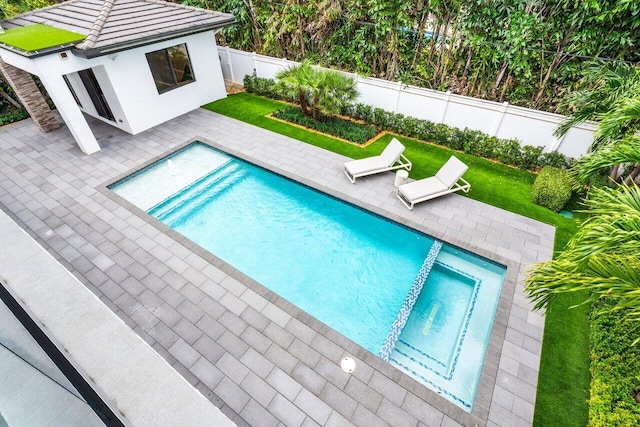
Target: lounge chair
[447,180]
[390,159]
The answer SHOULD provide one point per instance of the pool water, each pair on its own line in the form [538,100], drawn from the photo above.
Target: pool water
[351,269]
[331,260]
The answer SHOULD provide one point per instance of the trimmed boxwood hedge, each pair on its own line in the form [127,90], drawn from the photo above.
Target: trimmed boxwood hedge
[345,129]
[507,151]
[614,369]
[552,188]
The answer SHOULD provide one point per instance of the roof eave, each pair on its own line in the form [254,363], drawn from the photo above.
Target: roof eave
[37,53]
[119,47]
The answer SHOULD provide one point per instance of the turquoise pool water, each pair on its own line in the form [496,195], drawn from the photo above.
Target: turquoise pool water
[345,266]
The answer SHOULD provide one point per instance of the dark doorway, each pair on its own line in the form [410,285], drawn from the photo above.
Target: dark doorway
[95,93]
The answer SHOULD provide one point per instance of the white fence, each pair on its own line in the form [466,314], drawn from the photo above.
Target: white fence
[531,127]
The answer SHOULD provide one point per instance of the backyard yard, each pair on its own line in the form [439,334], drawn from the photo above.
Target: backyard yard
[563,384]
[443,80]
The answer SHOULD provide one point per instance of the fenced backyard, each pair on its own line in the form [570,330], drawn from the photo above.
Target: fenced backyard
[531,127]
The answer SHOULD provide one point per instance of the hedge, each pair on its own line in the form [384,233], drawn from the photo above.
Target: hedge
[614,369]
[507,151]
[13,116]
[345,129]
[552,188]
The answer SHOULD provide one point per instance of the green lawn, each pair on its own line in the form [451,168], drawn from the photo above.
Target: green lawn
[563,385]
[37,37]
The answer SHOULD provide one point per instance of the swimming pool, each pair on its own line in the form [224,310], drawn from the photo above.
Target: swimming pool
[425,307]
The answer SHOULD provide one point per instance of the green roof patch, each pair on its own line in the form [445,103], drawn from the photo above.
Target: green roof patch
[37,37]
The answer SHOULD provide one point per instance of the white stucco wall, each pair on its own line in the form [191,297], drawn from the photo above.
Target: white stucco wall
[127,83]
[141,104]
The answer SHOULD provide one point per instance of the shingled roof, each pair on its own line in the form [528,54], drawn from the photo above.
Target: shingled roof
[114,25]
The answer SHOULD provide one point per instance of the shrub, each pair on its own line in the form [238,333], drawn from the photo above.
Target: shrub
[552,188]
[553,158]
[345,129]
[613,369]
[529,157]
[362,112]
[13,116]
[476,143]
[508,152]
[264,87]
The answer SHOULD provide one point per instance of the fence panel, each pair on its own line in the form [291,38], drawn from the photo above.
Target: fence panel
[539,129]
[471,113]
[378,93]
[427,106]
[530,127]
[577,141]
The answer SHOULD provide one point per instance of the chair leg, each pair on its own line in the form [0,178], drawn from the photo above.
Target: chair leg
[349,176]
[404,201]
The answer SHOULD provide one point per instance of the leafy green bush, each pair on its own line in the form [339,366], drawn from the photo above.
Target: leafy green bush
[614,370]
[265,87]
[345,129]
[552,188]
[13,116]
[553,158]
[530,158]
[507,151]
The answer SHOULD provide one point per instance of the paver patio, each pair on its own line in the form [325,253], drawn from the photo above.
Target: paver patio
[254,355]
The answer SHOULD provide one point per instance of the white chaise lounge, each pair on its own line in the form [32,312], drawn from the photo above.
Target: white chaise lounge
[447,180]
[390,159]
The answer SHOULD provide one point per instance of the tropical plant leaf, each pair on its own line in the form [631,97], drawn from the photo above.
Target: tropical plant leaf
[627,151]
[602,257]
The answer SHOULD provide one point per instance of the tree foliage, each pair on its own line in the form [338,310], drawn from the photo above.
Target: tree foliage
[602,257]
[626,153]
[10,8]
[527,52]
[612,98]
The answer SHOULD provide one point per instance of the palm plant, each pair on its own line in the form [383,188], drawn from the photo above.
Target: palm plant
[337,91]
[626,153]
[295,82]
[317,89]
[602,257]
[612,97]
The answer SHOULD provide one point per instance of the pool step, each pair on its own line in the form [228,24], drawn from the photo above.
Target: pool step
[207,188]
[412,359]
[407,359]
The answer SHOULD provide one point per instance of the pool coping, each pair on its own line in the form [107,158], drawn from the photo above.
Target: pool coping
[482,402]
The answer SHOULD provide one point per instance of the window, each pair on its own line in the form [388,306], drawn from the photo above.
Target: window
[170,67]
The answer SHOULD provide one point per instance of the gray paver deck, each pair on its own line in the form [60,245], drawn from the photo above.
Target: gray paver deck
[254,355]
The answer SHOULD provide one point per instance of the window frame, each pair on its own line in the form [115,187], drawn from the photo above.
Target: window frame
[169,63]
[72,90]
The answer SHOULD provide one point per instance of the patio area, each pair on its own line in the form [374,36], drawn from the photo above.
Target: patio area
[257,357]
